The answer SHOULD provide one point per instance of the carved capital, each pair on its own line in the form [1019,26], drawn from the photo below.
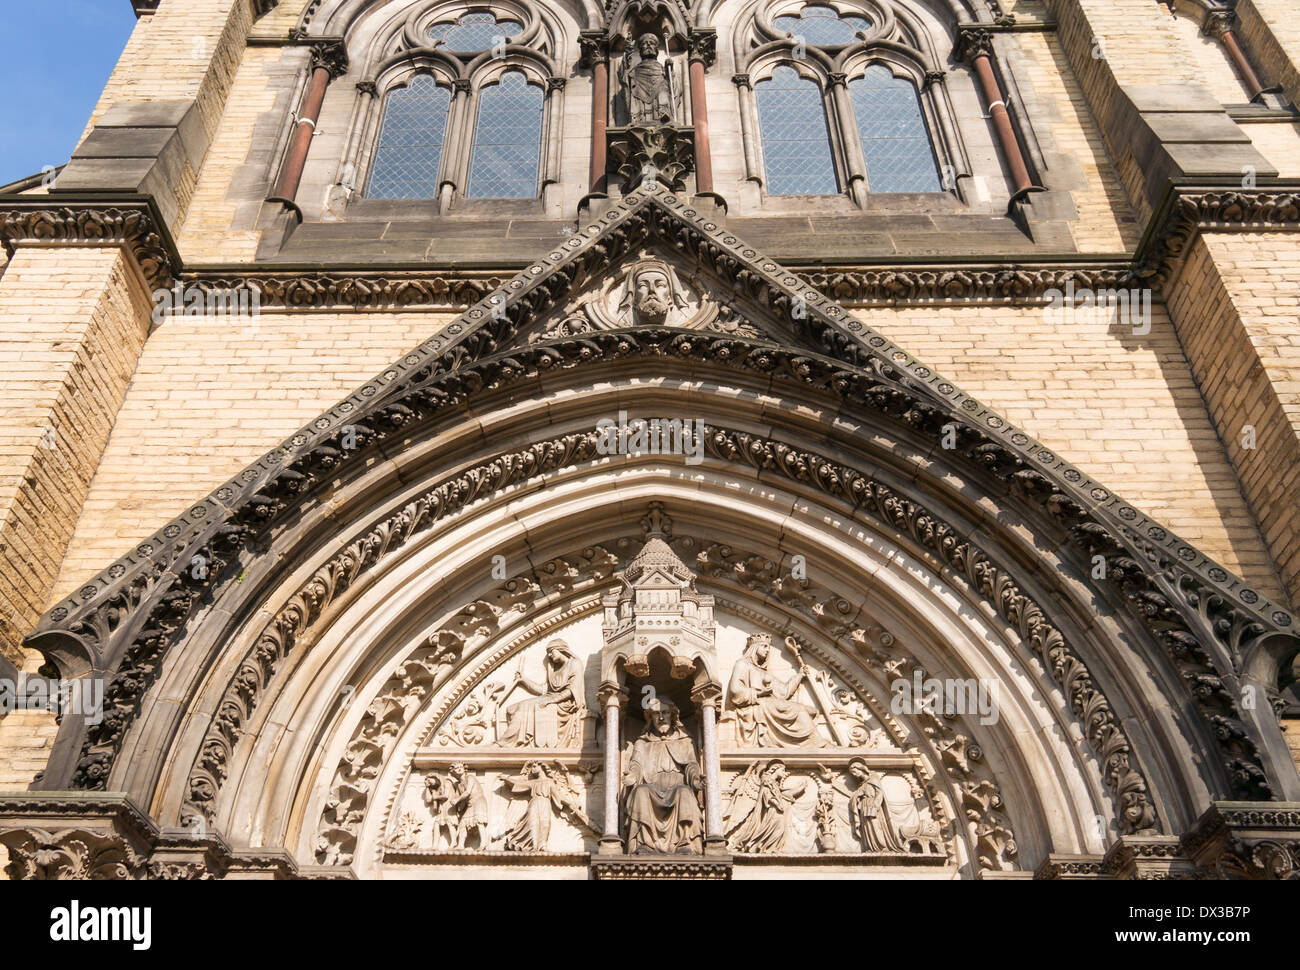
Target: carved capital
[702,45]
[331,55]
[740,80]
[1148,857]
[932,78]
[972,42]
[555,84]
[1247,840]
[132,225]
[837,79]
[460,85]
[1218,22]
[367,87]
[593,46]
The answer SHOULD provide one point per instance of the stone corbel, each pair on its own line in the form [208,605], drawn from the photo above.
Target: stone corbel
[668,150]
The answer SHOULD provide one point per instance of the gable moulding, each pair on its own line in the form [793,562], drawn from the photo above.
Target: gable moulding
[141,602]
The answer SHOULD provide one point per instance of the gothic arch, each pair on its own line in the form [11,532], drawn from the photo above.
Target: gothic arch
[1004,533]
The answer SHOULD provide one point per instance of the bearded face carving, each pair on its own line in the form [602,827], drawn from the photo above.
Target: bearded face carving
[653,296]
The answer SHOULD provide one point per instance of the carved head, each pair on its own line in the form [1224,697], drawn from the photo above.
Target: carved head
[557,652]
[860,769]
[662,716]
[758,647]
[458,770]
[647,45]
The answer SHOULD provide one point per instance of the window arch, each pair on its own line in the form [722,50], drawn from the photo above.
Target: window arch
[475,32]
[408,153]
[896,148]
[794,135]
[507,152]
[844,97]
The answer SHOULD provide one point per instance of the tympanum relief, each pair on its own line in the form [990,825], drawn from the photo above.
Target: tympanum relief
[647,292]
[519,760]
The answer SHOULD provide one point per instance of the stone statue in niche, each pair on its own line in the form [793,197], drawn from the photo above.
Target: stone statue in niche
[758,814]
[653,296]
[648,83]
[468,806]
[547,790]
[869,813]
[662,783]
[763,705]
[554,717]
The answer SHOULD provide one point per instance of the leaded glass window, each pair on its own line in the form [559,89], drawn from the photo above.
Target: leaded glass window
[796,143]
[507,140]
[475,32]
[823,26]
[409,151]
[896,146]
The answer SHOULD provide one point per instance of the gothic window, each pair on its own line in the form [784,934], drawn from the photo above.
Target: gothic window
[796,143]
[475,32]
[507,150]
[844,97]
[823,26]
[409,150]
[896,147]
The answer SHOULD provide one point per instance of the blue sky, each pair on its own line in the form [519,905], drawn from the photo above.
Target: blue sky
[57,56]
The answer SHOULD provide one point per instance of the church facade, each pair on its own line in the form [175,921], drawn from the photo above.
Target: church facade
[639,439]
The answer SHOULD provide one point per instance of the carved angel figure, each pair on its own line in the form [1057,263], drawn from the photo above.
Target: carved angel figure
[757,817]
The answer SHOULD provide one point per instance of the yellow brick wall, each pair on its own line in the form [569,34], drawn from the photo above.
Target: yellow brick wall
[1106,222]
[1238,315]
[1280,144]
[72,321]
[206,235]
[1125,409]
[1270,30]
[207,399]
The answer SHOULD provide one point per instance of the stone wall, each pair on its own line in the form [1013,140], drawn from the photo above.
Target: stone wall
[72,322]
[1238,316]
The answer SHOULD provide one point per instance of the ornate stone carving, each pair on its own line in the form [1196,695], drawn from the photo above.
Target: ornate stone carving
[661,154]
[545,790]
[1247,840]
[1203,602]
[972,42]
[759,809]
[763,707]
[559,702]
[467,805]
[662,783]
[331,55]
[70,854]
[135,226]
[650,91]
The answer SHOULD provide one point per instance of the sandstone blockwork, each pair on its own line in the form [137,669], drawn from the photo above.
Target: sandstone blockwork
[665,440]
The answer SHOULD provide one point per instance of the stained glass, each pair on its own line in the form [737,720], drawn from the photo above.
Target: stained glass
[507,140]
[822,26]
[409,151]
[796,144]
[475,32]
[895,142]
